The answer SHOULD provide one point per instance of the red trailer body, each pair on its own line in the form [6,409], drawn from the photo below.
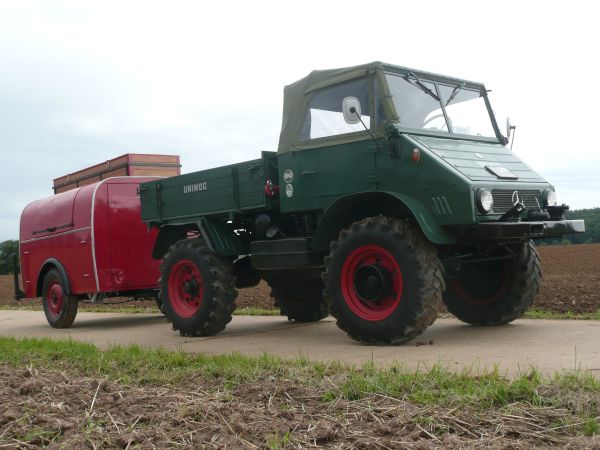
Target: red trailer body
[93,236]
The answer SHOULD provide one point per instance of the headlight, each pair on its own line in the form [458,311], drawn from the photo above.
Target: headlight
[485,201]
[549,197]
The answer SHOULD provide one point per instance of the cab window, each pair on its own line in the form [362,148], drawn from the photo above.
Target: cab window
[324,116]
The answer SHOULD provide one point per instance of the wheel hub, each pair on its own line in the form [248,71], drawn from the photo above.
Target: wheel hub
[185,288]
[372,282]
[55,298]
[191,287]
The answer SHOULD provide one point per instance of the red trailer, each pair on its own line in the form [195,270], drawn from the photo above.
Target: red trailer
[88,242]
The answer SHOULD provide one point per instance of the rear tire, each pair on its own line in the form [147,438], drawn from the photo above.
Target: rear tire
[60,308]
[299,298]
[383,281]
[197,289]
[495,292]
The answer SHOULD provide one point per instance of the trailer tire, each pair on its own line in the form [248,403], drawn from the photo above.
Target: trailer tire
[495,292]
[197,288]
[383,281]
[158,301]
[60,307]
[299,298]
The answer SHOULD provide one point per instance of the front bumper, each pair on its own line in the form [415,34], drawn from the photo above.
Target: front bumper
[525,230]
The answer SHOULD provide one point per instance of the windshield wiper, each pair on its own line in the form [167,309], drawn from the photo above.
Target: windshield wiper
[454,92]
[417,82]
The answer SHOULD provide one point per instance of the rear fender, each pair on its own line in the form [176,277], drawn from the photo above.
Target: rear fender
[218,237]
[346,210]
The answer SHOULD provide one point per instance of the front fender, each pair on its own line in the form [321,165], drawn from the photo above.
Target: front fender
[430,227]
[350,208]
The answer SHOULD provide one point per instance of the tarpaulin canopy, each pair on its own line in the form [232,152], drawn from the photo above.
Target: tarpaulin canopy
[299,95]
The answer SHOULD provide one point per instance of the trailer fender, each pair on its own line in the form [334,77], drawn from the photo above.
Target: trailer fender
[218,237]
[51,263]
[348,209]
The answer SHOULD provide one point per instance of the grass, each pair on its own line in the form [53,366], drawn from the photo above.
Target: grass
[249,311]
[256,312]
[439,386]
[133,309]
[555,315]
[83,307]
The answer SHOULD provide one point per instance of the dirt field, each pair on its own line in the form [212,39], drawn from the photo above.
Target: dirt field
[571,283]
[49,408]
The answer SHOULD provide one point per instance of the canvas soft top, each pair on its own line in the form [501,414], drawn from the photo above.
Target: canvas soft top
[297,97]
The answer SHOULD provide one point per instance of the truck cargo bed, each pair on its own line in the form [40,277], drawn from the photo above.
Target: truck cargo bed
[237,187]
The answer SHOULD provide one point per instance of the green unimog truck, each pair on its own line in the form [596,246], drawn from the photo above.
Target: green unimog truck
[391,193]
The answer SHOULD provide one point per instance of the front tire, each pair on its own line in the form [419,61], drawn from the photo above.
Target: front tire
[197,289]
[495,292]
[383,281]
[299,298]
[60,308]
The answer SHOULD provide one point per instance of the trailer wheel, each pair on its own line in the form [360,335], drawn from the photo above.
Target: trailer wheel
[299,298]
[197,289]
[383,281]
[495,292]
[158,301]
[60,308]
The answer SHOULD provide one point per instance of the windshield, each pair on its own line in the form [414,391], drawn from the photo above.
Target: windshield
[439,107]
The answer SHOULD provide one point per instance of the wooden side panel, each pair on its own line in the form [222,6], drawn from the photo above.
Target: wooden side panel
[139,171]
[93,179]
[133,164]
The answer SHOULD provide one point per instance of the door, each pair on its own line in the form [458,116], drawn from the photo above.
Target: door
[334,158]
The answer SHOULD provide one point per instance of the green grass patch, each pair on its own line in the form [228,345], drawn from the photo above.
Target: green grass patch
[133,309]
[20,308]
[83,307]
[135,364]
[256,312]
[555,315]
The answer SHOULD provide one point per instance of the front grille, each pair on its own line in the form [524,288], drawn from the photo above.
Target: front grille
[503,199]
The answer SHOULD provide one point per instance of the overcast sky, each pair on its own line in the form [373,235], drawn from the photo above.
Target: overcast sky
[83,82]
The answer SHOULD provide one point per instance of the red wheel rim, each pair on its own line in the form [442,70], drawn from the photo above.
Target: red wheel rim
[54,298]
[371,282]
[185,288]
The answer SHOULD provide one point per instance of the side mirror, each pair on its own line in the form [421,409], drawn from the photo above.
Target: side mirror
[351,110]
[509,128]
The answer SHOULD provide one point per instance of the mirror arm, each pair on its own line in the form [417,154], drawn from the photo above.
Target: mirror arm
[514,131]
[353,111]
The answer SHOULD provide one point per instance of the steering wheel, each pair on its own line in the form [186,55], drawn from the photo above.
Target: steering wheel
[437,116]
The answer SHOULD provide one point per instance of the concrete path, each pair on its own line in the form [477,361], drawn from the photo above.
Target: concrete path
[549,345]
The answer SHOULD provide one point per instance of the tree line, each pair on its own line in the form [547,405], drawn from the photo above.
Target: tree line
[8,250]
[592,228]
